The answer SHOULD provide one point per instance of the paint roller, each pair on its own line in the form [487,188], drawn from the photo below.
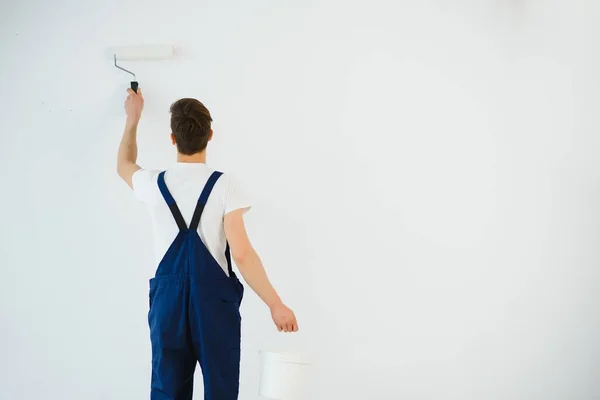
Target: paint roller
[141,53]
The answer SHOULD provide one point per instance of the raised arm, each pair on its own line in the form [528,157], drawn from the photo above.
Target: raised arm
[127,156]
[254,274]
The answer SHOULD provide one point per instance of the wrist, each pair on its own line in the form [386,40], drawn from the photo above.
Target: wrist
[275,303]
[132,122]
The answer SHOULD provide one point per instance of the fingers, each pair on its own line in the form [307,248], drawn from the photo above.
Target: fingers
[289,325]
[281,326]
[284,319]
[130,92]
[293,324]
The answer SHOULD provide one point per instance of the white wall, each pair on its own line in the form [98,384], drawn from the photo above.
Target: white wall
[424,172]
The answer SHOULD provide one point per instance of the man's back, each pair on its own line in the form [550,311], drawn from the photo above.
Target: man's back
[194,296]
[185,182]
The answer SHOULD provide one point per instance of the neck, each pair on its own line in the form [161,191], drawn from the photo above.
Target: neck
[194,158]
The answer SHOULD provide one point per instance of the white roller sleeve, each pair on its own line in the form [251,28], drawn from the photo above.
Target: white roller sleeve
[143,52]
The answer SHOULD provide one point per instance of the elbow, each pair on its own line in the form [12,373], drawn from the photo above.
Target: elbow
[242,256]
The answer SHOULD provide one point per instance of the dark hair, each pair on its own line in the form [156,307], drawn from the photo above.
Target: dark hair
[190,123]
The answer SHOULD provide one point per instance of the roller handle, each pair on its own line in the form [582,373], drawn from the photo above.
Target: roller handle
[134,86]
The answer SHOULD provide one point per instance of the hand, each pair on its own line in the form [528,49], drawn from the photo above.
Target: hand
[134,105]
[284,318]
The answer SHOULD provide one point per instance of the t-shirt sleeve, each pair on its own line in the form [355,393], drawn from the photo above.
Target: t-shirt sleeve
[236,197]
[145,187]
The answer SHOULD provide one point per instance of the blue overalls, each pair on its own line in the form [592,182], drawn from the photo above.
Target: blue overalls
[194,314]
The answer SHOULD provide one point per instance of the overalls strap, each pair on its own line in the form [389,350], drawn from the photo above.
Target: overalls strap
[171,202]
[210,184]
[228,258]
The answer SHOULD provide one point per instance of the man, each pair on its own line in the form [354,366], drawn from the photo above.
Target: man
[195,296]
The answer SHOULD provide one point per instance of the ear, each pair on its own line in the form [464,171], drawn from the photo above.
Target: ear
[173,139]
[210,135]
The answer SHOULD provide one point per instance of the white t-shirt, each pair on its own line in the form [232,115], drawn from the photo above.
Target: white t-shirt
[185,182]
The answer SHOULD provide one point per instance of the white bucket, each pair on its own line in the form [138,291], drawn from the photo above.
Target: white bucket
[284,376]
